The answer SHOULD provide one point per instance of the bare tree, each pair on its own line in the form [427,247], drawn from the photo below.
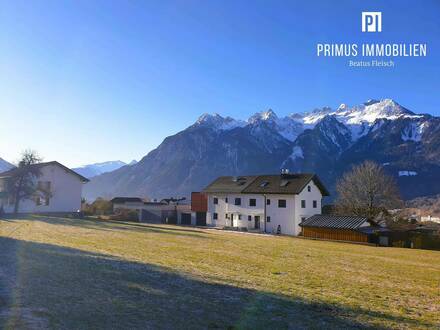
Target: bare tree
[366,190]
[22,184]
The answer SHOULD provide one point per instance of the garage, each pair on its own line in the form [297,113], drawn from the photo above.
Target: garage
[200,218]
[186,219]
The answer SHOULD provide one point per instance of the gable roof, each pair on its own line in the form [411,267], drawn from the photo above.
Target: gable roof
[229,184]
[265,184]
[284,184]
[334,222]
[41,165]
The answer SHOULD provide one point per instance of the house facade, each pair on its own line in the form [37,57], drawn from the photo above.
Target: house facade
[62,191]
[264,203]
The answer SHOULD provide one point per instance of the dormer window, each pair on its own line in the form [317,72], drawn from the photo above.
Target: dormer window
[284,183]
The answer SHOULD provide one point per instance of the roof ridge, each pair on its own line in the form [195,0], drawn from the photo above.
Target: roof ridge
[42,164]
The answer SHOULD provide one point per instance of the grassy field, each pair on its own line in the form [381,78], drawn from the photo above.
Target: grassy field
[65,273]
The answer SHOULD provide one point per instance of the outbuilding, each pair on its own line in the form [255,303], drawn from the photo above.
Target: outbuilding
[341,228]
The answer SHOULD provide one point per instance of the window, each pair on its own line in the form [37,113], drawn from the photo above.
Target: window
[303,204]
[226,216]
[215,200]
[215,216]
[238,201]
[249,217]
[309,189]
[268,202]
[239,217]
[264,184]
[315,204]
[284,183]
[268,219]
[282,203]
[252,202]
[232,217]
[226,199]
[40,200]
[44,188]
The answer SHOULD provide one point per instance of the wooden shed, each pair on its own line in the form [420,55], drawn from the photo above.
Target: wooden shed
[341,228]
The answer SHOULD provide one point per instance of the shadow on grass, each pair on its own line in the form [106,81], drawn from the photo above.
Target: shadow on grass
[43,285]
[112,225]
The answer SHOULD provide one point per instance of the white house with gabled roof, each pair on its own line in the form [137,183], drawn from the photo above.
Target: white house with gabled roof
[264,203]
[62,189]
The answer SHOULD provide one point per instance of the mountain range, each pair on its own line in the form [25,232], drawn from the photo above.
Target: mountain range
[325,141]
[92,170]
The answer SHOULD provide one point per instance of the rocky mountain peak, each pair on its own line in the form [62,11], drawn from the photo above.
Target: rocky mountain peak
[342,107]
[268,115]
[216,121]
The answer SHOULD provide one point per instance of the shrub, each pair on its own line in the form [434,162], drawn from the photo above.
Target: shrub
[125,215]
[99,207]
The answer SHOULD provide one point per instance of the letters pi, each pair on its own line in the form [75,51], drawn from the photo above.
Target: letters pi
[371,21]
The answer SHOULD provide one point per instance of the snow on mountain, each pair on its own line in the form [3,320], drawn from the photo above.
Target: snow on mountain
[407,173]
[358,119]
[335,132]
[312,118]
[286,126]
[216,121]
[92,170]
[413,132]
[4,165]
[266,116]
[372,110]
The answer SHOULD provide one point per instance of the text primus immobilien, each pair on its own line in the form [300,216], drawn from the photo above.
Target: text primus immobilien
[369,50]
[371,22]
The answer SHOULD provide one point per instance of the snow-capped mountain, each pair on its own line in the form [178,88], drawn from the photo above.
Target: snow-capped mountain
[4,165]
[325,141]
[358,118]
[218,122]
[91,170]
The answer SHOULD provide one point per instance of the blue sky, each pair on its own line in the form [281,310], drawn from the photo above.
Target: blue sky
[88,81]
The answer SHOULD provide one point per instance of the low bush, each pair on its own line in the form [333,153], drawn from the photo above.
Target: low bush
[125,215]
[99,207]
